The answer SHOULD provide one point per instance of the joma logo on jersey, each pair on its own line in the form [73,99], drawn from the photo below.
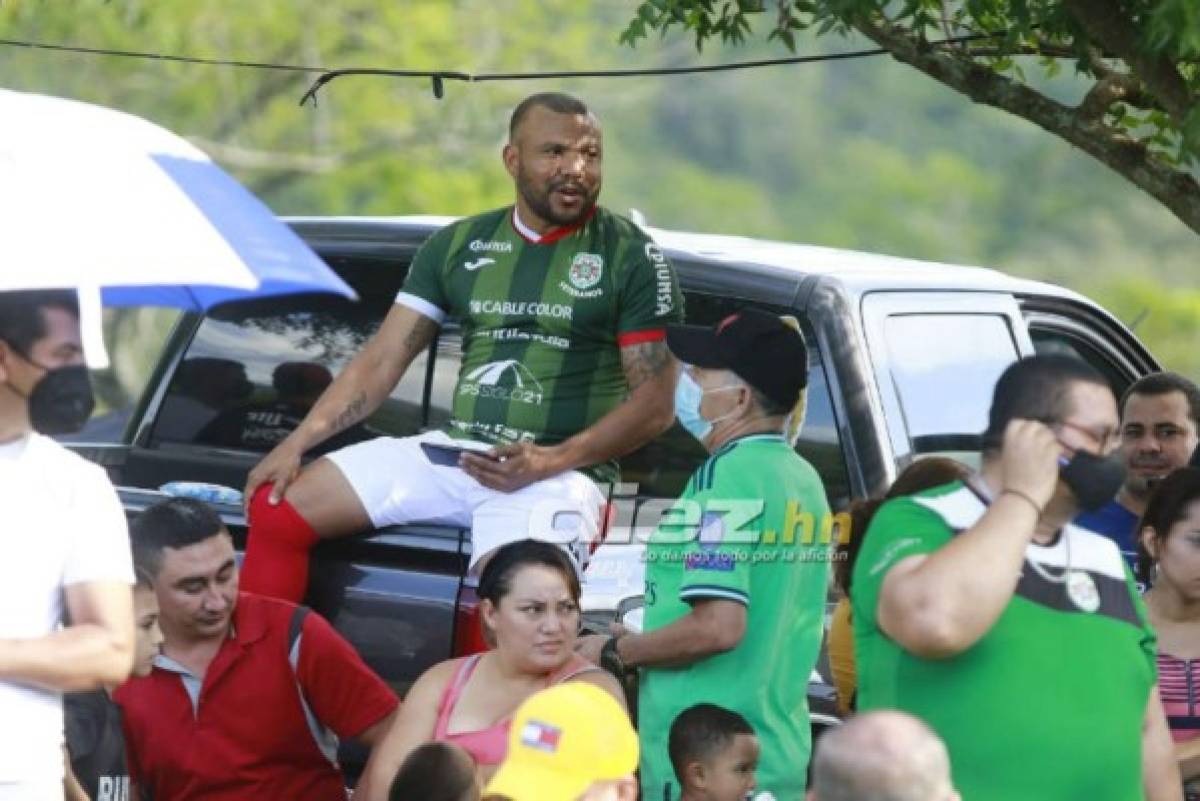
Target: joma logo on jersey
[504,380]
[480,246]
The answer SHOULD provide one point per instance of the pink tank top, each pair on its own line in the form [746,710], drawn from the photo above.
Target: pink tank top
[488,746]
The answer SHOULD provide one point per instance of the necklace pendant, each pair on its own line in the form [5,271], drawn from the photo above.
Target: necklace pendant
[1081,589]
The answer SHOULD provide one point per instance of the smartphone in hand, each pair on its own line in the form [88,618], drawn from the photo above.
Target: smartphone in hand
[448,455]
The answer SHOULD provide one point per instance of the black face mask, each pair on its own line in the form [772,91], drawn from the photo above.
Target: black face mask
[1093,480]
[62,401]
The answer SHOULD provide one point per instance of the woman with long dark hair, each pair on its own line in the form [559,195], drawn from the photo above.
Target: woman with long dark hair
[1169,562]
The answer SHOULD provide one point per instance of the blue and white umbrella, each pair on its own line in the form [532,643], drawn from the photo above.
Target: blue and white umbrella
[102,200]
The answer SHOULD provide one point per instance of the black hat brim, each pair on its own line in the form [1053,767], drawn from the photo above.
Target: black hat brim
[696,345]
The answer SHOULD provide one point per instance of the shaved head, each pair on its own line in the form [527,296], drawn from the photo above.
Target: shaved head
[882,756]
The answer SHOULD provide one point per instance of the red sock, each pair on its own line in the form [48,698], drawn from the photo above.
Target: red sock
[276,563]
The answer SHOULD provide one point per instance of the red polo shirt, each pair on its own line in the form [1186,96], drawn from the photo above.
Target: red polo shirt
[241,734]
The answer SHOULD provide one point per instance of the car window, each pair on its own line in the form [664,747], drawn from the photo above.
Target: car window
[663,467]
[254,368]
[1048,340]
[944,368]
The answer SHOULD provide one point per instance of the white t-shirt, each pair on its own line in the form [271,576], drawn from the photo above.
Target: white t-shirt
[60,524]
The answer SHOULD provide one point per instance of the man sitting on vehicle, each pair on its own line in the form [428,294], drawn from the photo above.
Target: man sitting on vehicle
[564,308]
[249,696]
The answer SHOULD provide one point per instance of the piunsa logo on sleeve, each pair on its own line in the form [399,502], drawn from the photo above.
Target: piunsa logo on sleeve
[664,300]
[504,380]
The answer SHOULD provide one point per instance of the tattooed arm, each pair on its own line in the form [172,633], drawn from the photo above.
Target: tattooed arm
[355,394]
[650,371]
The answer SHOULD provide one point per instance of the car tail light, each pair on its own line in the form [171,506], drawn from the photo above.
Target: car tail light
[468,624]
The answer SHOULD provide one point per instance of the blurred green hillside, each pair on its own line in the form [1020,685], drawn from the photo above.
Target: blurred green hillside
[862,154]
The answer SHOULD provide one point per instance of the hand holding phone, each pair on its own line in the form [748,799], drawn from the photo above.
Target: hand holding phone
[448,455]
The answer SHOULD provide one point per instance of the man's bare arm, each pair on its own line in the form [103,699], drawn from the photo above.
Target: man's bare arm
[96,650]
[711,627]
[72,789]
[940,604]
[641,363]
[368,378]
[1160,771]
[355,394]
[650,370]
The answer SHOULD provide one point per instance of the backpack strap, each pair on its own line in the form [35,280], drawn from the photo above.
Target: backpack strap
[324,738]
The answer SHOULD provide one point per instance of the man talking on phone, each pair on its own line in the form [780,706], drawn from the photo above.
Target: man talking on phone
[1018,636]
[564,308]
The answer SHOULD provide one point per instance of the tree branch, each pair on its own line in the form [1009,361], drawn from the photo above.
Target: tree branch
[1111,89]
[1104,22]
[1175,189]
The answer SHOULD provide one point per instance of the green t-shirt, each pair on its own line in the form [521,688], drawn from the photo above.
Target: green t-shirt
[1049,703]
[542,323]
[763,541]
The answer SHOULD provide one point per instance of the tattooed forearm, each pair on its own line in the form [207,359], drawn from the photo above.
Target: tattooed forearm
[643,362]
[353,412]
[419,336]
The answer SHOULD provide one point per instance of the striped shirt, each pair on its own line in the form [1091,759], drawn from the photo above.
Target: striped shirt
[1179,687]
[543,322]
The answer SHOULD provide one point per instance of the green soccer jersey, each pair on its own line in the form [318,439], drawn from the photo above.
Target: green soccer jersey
[542,323]
[1049,703]
[763,540]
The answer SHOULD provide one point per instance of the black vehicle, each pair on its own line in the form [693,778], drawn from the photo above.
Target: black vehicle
[903,357]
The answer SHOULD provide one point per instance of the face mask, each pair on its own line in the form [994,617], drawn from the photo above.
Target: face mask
[1093,480]
[688,396]
[61,402]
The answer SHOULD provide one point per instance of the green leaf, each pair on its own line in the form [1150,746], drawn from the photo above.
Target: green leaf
[786,36]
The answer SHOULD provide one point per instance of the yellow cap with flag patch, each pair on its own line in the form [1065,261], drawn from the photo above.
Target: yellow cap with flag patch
[563,740]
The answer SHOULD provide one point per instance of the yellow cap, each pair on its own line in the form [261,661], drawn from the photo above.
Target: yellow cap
[563,740]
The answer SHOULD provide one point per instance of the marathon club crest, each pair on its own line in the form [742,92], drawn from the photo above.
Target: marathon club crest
[586,269]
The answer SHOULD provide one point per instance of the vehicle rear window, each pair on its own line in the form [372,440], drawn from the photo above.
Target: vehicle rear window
[1051,341]
[663,467]
[253,369]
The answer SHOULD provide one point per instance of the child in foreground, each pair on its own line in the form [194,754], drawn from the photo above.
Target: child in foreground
[714,753]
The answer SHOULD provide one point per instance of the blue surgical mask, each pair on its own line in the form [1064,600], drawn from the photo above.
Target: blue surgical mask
[688,396]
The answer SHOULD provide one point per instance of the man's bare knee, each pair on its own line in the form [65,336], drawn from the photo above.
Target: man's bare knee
[323,496]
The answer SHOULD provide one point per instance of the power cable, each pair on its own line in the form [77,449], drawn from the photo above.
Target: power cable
[438,77]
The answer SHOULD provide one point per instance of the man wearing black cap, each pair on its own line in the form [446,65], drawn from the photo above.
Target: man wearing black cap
[736,571]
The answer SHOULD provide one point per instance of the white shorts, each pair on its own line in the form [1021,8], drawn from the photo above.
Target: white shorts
[397,484]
